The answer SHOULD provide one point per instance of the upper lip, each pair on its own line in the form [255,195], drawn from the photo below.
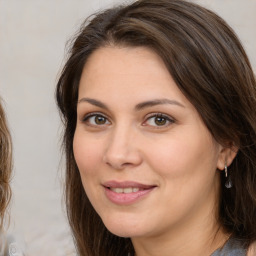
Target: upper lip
[126,184]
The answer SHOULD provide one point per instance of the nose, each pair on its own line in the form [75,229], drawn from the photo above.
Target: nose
[122,150]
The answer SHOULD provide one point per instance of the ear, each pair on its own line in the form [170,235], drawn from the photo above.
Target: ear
[226,156]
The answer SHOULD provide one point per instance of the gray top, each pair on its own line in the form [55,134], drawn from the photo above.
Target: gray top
[232,247]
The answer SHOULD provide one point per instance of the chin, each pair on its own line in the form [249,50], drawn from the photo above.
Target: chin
[124,229]
[125,233]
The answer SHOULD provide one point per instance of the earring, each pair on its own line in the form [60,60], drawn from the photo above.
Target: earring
[228,183]
[226,170]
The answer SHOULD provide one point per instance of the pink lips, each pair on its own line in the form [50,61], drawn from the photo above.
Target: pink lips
[125,193]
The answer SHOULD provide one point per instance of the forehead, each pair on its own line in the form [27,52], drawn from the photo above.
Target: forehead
[126,68]
[123,60]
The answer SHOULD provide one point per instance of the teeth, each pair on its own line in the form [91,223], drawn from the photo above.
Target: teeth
[135,189]
[125,190]
[118,190]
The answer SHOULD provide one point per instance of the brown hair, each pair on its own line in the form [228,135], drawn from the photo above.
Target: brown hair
[209,65]
[5,165]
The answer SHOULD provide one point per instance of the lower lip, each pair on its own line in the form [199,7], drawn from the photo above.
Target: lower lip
[126,199]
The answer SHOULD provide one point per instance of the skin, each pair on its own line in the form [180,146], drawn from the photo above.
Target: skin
[121,137]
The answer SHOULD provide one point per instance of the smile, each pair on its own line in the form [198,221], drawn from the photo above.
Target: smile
[126,193]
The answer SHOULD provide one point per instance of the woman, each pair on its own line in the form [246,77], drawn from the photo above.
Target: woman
[158,102]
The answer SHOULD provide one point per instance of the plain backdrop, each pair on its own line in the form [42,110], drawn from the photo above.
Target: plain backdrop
[33,34]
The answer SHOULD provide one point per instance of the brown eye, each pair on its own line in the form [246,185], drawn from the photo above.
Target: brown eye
[100,120]
[158,120]
[96,120]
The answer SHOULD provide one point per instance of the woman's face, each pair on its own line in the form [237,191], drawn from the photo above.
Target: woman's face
[147,161]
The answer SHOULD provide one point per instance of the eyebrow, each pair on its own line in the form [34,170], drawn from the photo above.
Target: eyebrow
[138,107]
[93,102]
[155,102]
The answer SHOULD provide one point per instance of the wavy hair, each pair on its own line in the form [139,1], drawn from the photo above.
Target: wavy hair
[209,65]
[5,166]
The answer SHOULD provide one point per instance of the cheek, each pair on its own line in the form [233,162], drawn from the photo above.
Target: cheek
[169,156]
[187,170]
[87,154]
[183,156]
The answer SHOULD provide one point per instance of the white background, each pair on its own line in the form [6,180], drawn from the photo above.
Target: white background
[33,34]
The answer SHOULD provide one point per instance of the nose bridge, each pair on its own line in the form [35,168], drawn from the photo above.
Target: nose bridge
[121,149]
[121,136]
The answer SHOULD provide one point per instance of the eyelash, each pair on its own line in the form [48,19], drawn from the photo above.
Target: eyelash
[167,119]
[94,114]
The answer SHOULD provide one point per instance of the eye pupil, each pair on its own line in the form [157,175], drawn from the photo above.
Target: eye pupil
[100,120]
[160,120]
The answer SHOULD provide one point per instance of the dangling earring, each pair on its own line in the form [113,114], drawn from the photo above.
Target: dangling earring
[228,183]
[226,170]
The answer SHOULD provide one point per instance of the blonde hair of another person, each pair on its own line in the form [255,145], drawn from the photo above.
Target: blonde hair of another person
[5,166]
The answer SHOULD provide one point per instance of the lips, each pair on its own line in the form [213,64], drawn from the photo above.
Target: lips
[127,192]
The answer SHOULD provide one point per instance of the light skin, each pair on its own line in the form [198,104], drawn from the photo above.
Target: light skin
[134,125]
